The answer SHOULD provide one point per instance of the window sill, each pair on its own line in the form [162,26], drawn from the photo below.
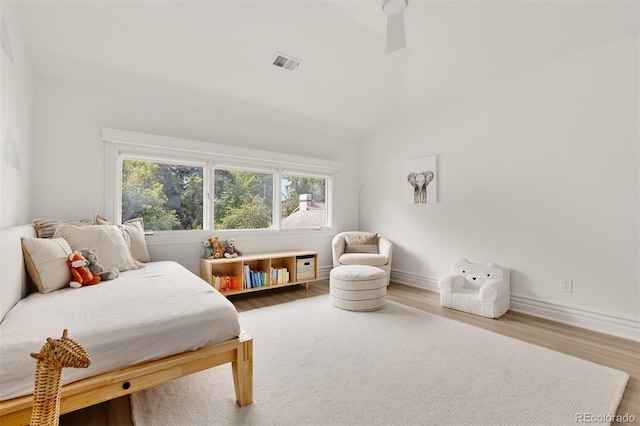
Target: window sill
[199,236]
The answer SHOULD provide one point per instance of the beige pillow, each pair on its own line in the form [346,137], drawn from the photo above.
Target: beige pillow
[45,228]
[108,241]
[133,230]
[46,262]
[361,242]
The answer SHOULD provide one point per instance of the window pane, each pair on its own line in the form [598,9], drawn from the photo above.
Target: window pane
[166,196]
[242,200]
[303,202]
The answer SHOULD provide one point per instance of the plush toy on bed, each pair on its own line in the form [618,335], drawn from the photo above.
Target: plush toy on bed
[80,272]
[230,250]
[96,268]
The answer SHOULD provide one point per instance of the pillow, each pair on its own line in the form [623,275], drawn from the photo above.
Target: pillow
[361,242]
[46,262]
[108,241]
[133,230]
[45,228]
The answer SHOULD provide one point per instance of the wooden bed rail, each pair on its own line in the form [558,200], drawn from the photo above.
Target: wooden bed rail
[114,384]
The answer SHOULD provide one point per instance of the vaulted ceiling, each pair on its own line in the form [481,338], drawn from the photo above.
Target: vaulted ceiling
[224,49]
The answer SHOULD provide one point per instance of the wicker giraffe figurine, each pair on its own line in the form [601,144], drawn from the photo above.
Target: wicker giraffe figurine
[55,355]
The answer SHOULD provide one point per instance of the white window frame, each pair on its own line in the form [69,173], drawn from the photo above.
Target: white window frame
[121,144]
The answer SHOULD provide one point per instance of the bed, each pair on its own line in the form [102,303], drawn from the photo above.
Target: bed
[146,327]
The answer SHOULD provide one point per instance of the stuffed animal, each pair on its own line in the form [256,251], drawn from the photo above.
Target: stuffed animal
[207,251]
[218,249]
[96,268]
[230,250]
[80,272]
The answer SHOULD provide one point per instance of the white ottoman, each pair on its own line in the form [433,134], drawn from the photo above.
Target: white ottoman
[358,287]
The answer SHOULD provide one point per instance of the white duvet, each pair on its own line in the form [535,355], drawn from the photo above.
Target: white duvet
[143,315]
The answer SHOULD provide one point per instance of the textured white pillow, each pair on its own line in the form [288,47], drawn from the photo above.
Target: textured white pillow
[133,230]
[108,241]
[46,262]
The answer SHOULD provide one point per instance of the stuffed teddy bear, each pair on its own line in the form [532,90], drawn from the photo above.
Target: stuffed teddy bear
[96,268]
[230,250]
[79,271]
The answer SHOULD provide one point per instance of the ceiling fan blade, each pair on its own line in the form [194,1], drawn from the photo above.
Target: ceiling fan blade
[396,38]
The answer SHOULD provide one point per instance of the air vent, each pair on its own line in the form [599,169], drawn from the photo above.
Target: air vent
[286,62]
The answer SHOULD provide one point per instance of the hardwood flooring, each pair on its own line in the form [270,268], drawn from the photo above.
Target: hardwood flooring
[603,349]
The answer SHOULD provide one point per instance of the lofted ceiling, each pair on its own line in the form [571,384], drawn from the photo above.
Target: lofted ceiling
[224,49]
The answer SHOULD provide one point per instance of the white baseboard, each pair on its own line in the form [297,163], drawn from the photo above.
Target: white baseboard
[615,325]
[323,272]
[627,328]
[415,280]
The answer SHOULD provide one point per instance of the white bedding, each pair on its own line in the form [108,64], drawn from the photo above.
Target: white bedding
[143,315]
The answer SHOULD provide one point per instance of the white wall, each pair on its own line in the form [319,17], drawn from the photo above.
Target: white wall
[539,173]
[15,122]
[69,166]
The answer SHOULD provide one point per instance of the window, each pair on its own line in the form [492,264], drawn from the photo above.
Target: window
[304,201]
[242,199]
[166,196]
[185,185]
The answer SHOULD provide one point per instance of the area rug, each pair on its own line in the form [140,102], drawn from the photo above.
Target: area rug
[319,365]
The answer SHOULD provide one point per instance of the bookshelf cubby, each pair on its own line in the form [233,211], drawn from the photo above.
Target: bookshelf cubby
[301,267]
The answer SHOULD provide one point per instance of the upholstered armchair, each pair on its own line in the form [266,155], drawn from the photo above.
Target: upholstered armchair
[362,248]
[480,289]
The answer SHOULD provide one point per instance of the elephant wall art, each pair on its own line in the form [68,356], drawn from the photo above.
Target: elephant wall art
[422,185]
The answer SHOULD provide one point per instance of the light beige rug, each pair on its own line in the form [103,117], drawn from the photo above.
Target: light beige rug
[316,364]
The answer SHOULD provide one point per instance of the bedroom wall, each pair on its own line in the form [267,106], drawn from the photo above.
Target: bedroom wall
[69,116]
[16,82]
[540,173]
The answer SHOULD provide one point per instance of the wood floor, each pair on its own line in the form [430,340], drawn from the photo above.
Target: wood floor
[614,352]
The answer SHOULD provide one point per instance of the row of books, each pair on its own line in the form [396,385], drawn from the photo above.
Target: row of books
[279,276]
[251,279]
[260,278]
[225,283]
[254,279]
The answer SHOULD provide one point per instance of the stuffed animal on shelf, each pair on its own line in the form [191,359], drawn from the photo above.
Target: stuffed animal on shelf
[230,251]
[80,272]
[212,249]
[207,251]
[96,268]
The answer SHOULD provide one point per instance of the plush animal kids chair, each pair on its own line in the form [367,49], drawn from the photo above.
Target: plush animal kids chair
[480,289]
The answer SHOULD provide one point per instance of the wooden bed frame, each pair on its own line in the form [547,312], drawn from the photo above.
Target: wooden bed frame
[93,390]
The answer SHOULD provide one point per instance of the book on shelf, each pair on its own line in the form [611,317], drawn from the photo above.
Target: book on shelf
[225,282]
[279,276]
[254,279]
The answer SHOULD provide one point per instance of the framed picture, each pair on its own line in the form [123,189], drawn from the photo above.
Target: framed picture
[421,178]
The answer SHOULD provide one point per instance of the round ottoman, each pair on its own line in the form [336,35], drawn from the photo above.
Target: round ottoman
[358,287]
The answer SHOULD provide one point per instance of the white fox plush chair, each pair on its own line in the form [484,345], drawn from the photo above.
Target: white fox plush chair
[480,289]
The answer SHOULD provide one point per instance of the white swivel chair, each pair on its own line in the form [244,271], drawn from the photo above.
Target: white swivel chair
[480,289]
[362,248]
